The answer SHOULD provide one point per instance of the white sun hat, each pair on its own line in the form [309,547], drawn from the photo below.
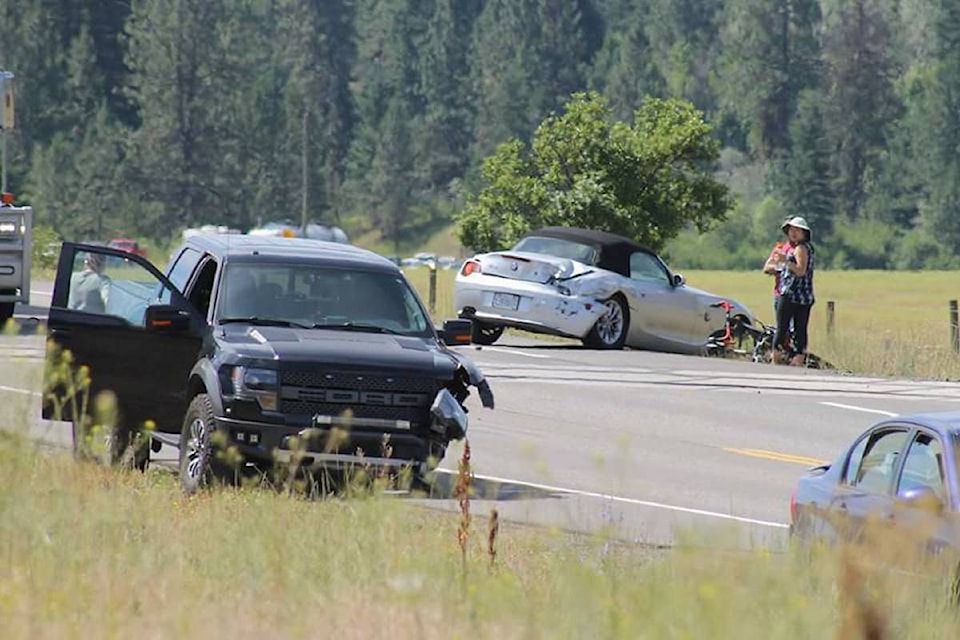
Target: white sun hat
[799,223]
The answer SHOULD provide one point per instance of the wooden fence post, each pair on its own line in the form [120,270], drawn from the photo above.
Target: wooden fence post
[954,327]
[433,287]
[830,310]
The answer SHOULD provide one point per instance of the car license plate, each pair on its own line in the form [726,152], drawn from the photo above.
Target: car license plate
[506,301]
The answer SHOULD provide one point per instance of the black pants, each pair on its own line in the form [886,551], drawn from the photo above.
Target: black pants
[799,314]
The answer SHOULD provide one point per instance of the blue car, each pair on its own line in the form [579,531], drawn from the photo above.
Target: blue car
[899,471]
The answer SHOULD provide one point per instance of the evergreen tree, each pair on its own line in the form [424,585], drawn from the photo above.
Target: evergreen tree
[941,210]
[861,100]
[770,54]
[186,83]
[448,100]
[318,109]
[803,178]
[685,39]
[625,70]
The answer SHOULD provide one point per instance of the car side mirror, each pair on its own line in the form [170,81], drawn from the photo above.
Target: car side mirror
[921,498]
[166,318]
[678,280]
[456,332]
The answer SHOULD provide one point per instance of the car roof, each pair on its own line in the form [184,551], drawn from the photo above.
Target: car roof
[589,236]
[234,246]
[943,422]
[614,250]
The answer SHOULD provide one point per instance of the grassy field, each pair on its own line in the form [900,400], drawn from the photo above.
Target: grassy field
[94,552]
[885,323]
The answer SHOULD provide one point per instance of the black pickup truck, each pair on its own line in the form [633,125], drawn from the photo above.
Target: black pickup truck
[292,350]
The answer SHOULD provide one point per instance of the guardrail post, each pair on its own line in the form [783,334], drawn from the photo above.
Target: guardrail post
[954,327]
[433,288]
[830,310]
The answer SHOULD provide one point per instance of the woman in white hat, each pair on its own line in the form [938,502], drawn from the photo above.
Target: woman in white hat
[796,292]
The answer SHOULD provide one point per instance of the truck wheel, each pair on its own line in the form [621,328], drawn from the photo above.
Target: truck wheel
[199,467]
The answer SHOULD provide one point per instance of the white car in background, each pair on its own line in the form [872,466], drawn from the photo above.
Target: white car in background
[601,288]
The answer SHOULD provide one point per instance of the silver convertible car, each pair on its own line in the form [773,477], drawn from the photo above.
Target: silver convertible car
[599,287]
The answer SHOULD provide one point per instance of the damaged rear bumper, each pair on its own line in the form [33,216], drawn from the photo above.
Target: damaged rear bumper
[540,307]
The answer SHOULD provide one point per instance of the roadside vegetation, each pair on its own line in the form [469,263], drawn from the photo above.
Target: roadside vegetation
[96,552]
[885,323]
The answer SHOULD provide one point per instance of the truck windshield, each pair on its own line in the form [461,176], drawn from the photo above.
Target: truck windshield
[308,295]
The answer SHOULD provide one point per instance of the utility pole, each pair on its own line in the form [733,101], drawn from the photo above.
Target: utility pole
[6,121]
[305,177]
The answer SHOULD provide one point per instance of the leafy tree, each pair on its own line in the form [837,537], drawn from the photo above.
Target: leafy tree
[645,180]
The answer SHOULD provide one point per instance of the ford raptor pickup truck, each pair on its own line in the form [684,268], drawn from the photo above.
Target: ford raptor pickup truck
[266,346]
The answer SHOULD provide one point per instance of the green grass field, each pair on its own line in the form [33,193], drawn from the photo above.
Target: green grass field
[885,323]
[90,552]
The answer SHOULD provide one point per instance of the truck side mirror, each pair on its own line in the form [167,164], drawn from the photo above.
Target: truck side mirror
[456,332]
[167,318]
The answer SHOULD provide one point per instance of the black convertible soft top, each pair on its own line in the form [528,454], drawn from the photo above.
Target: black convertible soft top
[613,250]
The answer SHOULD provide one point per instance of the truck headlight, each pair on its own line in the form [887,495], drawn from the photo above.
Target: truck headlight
[253,383]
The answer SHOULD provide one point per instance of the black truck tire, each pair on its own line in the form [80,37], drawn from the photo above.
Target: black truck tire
[199,466]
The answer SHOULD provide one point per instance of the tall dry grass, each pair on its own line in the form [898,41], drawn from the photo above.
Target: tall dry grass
[89,551]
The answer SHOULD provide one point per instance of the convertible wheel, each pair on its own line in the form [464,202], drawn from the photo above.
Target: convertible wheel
[610,331]
[485,334]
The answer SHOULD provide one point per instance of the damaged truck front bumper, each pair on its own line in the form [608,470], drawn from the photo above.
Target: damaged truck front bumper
[311,447]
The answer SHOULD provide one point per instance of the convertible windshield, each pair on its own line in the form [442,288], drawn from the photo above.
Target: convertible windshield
[312,296]
[560,248]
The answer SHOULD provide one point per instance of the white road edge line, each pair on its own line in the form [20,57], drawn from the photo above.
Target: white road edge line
[862,409]
[18,390]
[634,501]
[516,353]
[45,294]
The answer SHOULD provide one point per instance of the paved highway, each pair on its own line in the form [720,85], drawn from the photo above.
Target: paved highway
[642,445]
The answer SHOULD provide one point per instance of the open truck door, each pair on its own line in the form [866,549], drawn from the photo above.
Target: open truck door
[135,331]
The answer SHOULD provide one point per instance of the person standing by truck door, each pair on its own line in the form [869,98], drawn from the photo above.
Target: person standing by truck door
[90,288]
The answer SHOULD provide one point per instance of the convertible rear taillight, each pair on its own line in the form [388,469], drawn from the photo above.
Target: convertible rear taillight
[470,266]
[793,506]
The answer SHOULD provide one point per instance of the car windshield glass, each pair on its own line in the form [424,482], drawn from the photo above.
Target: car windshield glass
[314,296]
[559,248]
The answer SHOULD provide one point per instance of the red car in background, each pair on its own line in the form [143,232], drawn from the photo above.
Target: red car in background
[128,245]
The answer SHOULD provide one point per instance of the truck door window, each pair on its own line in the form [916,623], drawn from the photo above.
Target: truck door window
[111,286]
[181,271]
[183,268]
[202,289]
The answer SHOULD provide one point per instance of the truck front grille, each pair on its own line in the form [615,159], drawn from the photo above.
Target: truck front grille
[363,395]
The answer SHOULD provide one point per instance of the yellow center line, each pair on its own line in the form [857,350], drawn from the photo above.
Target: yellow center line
[779,457]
